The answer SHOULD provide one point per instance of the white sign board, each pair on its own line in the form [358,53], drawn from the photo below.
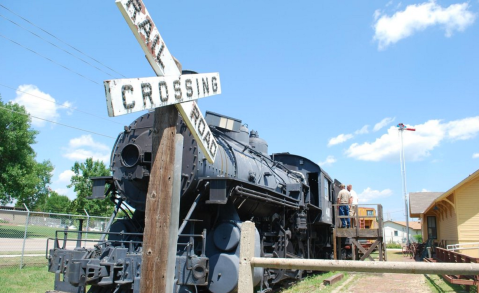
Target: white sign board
[198,127]
[137,94]
[162,62]
[146,33]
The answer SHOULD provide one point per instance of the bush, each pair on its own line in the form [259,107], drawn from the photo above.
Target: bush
[4,221]
[393,245]
[418,238]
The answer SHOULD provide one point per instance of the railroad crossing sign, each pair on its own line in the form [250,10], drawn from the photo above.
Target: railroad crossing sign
[137,94]
[170,87]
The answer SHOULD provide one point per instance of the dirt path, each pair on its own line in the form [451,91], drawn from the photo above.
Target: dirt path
[390,283]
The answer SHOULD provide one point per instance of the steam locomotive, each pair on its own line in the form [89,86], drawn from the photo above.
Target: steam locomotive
[288,197]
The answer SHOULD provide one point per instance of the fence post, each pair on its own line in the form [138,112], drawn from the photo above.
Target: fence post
[87,225]
[245,278]
[25,235]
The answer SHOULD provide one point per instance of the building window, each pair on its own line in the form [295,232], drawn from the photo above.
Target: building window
[369,213]
[396,233]
[431,227]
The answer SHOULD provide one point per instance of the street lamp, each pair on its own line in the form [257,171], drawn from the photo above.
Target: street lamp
[401,128]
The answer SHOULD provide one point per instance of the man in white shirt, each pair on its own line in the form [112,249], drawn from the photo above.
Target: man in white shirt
[354,204]
[344,201]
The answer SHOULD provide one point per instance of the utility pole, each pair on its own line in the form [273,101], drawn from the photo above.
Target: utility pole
[401,129]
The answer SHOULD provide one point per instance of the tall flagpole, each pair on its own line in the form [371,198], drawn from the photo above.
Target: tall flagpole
[401,129]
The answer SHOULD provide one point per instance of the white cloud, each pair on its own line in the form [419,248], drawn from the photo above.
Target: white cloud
[463,129]
[418,144]
[87,141]
[424,190]
[67,192]
[363,130]
[475,156]
[328,162]
[418,17]
[368,194]
[38,103]
[345,137]
[83,147]
[383,123]
[65,176]
[340,139]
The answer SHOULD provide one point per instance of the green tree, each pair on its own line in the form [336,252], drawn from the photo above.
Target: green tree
[22,178]
[83,188]
[57,203]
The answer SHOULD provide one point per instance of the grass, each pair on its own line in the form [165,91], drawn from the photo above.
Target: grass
[27,280]
[20,252]
[10,231]
[314,283]
[14,262]
[439,285]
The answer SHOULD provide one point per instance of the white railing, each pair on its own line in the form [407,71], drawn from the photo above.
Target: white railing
[463,246]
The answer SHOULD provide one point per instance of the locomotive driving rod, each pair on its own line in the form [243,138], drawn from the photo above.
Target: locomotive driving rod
[367,266]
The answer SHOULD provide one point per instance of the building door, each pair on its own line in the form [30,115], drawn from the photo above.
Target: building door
[431,227]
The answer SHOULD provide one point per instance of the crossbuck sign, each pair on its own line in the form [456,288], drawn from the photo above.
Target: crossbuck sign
[169,87]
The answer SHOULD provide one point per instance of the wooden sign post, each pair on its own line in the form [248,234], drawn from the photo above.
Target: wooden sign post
[169,88]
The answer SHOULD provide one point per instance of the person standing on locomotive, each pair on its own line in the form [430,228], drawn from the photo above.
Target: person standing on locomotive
[354,205]
[344,200]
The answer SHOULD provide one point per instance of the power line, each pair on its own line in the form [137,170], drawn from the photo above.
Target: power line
[62,41]
[69,107]
[54,45]
[81,129]
[54,62]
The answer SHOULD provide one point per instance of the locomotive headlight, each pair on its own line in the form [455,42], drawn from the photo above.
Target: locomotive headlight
[130,155]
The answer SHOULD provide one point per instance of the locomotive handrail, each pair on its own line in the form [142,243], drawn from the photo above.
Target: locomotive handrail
[273,194]
[265,197]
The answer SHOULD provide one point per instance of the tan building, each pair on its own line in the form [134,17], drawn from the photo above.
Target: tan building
[370,221]
[451,217]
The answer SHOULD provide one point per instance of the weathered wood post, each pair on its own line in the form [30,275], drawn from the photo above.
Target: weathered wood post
[159,211]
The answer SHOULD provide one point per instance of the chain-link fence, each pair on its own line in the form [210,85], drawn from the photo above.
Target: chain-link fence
[24,234]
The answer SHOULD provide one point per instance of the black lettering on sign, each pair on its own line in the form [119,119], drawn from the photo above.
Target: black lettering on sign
[195,114]
[189,88]
[127,88]
[197,87]
[146,93]
[146,27]
[177,88]
[158,56]
[153,45]
[205,86]
[162,84]
[213,148]
[207,139]
[201,131]
[214,84]
[136,6]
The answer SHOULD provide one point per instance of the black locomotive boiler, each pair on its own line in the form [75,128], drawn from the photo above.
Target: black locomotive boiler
[288,197]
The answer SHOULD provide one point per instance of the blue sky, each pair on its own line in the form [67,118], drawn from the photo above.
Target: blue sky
[323,79]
